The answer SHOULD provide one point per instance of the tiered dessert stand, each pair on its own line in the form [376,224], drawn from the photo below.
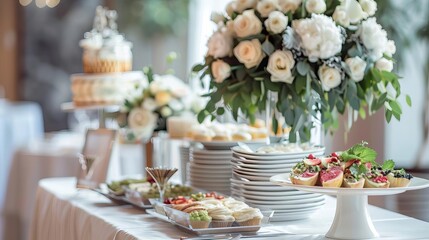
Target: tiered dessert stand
[352,220]
[102,109]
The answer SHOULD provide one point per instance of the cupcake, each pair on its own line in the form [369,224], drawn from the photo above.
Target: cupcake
[233,204]
[221,217]
[248,216]
[199,219]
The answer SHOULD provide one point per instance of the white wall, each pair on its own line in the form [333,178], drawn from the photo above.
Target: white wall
[404,139]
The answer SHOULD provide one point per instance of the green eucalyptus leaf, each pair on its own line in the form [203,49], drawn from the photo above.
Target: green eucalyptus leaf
[408,100]
[198,67]
[303,68]
[236,86]
[268,47]
[395,107]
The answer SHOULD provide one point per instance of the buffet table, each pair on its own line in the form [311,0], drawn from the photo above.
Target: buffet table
[63,212]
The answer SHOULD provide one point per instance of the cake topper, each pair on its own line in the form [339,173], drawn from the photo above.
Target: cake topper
[105,22]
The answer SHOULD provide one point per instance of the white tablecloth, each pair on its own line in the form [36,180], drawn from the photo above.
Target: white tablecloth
[62,212]
[20,123]
[55,156]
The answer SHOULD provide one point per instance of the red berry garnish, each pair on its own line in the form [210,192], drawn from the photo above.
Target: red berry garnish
[311,156]
[334,154]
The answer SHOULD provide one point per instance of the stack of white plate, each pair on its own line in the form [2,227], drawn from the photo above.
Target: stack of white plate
[251,183]
[210,170]
[184,159]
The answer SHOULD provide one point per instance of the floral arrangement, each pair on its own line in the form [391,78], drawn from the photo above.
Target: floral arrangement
[153,101]
[318,57]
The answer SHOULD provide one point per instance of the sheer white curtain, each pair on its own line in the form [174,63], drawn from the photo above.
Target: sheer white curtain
[201,28]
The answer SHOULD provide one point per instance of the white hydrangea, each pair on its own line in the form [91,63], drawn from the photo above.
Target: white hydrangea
[368,6]
[374,37]
[320,37]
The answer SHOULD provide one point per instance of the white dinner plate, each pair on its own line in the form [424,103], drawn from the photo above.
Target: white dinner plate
[222,145]
[206,152]
[210,156]
[269,158]
[201,166]
[249,177]
[209,174]
[273,171]
[254,183]
[267,193]
[283,202]
[261,166]
[264,162]
[277,198]
[206,178]
[291,206]
[244,172]
[206,181]
[211,162]
[313,150]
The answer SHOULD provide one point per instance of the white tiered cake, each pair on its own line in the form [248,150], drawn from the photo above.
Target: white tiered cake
[107,61]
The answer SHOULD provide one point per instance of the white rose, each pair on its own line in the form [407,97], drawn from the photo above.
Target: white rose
[242,5]
[384,65]
[220,70]
[247,24]
[353,10]
[220,44]
[217,17]
[265,7]
[340,17]
[276,22]
[373,37]
[149,104]
[369,6]
[231,8]
[140,118]
[249,53]
[289,5]
[390,48]
[315,6]
[166,111]
[357,68]
[280,66]
[320,37]
[330,77]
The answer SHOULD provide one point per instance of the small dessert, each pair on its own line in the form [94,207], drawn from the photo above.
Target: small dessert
[248,216]
[354,176]
[222,136]
[241,136]
[306,172]
[332,177]
[375,178]
[221,217]
[259,123]
[199,219]
[258,133]
[399,178]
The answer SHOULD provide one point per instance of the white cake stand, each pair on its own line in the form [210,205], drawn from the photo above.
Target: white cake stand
[352,220]
[70,107]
